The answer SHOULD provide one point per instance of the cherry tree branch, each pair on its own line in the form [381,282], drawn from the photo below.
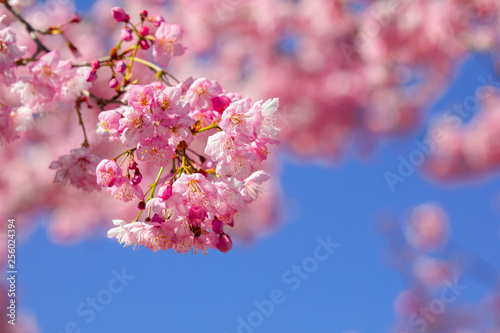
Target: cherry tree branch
[31,31]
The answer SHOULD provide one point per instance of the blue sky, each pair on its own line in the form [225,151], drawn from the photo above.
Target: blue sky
[350,288]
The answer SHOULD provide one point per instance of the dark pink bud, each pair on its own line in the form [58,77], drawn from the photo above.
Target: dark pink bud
[96,64]
[144,44]
[113,83]
[119,14]
[217,226]
[132,165]
[126,34]
[141,205]
[75,18]
[220,103]
[143,14]
[225,243]
[120,66]
[144,31]
[137,178]
[165,192]
[91,76]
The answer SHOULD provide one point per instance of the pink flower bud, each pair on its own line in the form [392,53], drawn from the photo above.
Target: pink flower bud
[96,64]
[137,178]
[143,14]
[132,165]
[75,18]
[119,14]
[141,205]
[120,66]
[165,192]
[91,76]
[126,34]
[225,243]
[113,83]
[144,44]
[217,226]
[144,31]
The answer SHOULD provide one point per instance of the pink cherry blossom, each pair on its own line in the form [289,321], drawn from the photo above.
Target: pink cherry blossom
[135,126]
[108,172]
[201,92]
[124,190]
[141,97]
[252,185]
[196,189]
[167,43]
[9,53]
[240,119]
[79,168]
[110,121]
[155,151]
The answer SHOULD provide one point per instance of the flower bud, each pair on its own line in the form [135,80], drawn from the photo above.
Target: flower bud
[165,192]
[126,34]
[143,14]
[137,178]
[141,205]
[96,64]
[120,66]
[113,83]
[91,76]
[75,18]
[144,31]
[217,226]
[119,14]
[144,44]
[132,165]
[225,243]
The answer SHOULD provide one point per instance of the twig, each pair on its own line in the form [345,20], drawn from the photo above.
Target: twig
[31,31]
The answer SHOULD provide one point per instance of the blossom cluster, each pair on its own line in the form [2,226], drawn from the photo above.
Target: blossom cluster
[200,196]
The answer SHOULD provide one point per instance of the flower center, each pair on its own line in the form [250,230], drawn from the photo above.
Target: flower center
[195,188]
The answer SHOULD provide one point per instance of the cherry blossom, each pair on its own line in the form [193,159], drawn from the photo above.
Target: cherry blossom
[78,167]
[167,43]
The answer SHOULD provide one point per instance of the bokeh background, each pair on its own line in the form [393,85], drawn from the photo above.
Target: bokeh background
[373,281]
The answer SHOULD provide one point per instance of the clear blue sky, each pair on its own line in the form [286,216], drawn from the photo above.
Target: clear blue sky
[352,289]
